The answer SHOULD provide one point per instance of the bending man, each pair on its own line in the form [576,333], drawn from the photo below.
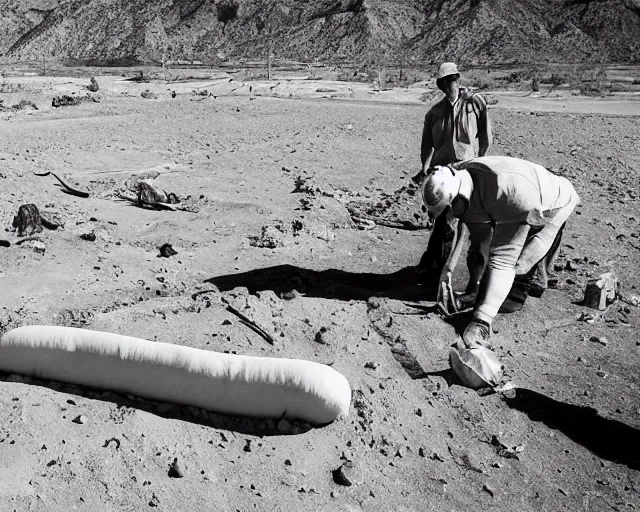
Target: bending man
[514,209]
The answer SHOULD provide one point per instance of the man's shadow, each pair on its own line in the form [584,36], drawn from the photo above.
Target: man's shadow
[607,438]
[406,284]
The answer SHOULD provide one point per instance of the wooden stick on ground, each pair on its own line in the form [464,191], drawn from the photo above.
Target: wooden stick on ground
[159,206]
[69,189]
[251,324]
[398,224]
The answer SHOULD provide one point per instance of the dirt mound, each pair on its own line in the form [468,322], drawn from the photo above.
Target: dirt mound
[363,31]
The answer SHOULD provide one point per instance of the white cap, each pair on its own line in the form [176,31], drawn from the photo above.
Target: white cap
[439,189]
[447,69]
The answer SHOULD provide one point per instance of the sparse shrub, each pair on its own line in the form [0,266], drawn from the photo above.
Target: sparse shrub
[227,10]
[25,105]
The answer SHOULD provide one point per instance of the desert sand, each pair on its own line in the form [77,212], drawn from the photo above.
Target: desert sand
[266,183]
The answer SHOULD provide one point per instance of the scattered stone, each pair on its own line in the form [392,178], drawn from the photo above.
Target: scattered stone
[154,502]
[371,365]
[320,336]
[290,295]
[601,292]
[80,420]
[599,339]
[419,412]
[89,237]
[347,475]
[488,490]
[38,247]
[570,266]
[435,456]
[166,251]
[271,237]
[148,95]
[175,471]
[247,446]
[284,426]
[421,451]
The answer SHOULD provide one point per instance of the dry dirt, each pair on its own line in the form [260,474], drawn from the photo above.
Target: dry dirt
[266,183]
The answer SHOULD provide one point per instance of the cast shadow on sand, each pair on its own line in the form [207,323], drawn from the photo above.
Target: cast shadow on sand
[607,438]
[405,284]
[127,404]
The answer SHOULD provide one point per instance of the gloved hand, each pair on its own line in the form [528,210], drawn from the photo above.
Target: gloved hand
[477,333]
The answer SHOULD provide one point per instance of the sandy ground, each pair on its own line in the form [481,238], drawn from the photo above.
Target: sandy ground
[326,290]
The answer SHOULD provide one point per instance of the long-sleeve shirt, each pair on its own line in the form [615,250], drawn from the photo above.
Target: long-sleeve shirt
[509,197]
[450,129]
[511,190]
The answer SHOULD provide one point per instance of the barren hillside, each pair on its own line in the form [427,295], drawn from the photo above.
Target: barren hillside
[472,31]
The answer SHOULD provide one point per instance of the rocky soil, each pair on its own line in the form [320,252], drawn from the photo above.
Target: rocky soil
[268,187]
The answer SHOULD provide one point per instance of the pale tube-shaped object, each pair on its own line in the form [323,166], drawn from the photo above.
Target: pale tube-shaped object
[261,387]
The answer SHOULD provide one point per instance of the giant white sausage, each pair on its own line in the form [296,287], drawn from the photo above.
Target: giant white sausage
[262,387]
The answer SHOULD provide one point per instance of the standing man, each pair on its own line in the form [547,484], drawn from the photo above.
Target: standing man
[451,127]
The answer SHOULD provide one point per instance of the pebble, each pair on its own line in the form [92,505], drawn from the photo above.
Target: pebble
[80,420]
[347,475]
[599,339]
[488,490]
[154,502]
[175,471]
[247,446]
[371,365]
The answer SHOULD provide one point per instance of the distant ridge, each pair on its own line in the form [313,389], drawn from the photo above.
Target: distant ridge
[396,31]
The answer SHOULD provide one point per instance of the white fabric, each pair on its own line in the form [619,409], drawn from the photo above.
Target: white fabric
[439,189]
[476,367]
[231,384]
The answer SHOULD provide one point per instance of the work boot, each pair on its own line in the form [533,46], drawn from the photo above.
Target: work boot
[476,334]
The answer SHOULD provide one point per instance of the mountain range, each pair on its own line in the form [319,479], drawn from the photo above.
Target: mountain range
[394,31]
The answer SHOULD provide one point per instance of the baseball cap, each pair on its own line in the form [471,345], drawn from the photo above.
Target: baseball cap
[439,189]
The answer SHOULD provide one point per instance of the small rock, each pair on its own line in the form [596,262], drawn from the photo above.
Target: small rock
[421,451]
[284,426]
[247,446]
[371,365]
[38,247]
[488,490]
[175,471]
[347,475]
[154,502]
[570,266]
[80,420]
[290,295]
[419,412]
[320,336]
[166,251]
[89,237]
[599,339]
